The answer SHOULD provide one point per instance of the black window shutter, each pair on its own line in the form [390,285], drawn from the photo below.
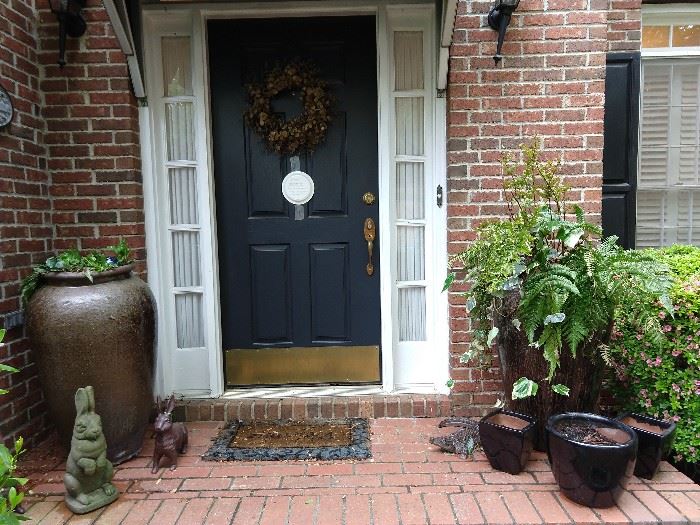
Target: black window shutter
[621,142]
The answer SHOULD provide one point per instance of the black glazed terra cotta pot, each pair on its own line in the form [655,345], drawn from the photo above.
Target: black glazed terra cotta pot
[98,334]
[507,438]
[656,438]
[591,474]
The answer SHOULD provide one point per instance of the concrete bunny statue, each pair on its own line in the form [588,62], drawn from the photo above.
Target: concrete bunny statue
[88,477]
[171,438]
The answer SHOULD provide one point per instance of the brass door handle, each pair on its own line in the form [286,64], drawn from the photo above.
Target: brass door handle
[370,235]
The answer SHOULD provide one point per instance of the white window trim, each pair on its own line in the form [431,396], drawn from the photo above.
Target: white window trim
[680,14]
[191,20]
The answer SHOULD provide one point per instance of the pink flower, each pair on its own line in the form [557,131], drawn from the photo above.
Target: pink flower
[662,315]
[675,387]
[667,328]
[676,418]
[639,337]
[676,353]
[648,403]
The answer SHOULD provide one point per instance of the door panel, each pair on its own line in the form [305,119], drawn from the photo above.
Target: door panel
[330,317]
[296,292]
[271,294]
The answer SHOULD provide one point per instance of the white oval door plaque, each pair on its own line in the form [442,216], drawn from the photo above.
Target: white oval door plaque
[298,187]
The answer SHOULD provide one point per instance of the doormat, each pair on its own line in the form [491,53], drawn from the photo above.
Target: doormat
[265,440]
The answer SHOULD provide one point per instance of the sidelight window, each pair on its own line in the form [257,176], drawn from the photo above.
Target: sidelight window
[181,169]
[409,184]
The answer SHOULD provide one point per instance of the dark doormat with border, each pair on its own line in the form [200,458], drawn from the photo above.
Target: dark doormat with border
[226,448]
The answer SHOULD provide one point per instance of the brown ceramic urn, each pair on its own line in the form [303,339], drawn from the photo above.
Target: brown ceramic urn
[99,333]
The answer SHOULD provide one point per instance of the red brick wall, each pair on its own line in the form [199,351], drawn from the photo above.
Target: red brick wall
[69,168]
[92,137]
[550,84]
[625,25]
[25,230]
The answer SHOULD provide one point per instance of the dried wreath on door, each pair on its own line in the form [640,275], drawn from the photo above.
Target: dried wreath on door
[302,133]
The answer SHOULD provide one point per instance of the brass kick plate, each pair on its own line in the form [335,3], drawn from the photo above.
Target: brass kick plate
[303,365]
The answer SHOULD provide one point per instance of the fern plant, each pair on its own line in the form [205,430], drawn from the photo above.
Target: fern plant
[569,280]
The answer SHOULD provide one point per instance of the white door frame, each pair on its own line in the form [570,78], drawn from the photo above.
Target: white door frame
[190,20]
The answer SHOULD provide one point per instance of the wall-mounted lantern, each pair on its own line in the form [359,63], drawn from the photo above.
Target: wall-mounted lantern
[499,18]
[70,23]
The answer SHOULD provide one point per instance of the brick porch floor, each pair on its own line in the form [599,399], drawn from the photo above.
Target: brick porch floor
[407,482]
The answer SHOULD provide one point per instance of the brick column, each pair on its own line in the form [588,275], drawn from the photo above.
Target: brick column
[550,84]
[92,137]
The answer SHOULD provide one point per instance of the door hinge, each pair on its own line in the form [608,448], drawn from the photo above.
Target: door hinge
[439,196]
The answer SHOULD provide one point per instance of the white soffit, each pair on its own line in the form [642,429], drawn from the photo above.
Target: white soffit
[447,27]
[116,10]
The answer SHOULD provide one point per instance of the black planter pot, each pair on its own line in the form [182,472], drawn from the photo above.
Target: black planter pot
[653,446]
[590,474]
[507,439]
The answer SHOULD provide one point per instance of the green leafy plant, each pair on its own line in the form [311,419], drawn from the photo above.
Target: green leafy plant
[570,282]
[72,261]
[10,496]
[661,376]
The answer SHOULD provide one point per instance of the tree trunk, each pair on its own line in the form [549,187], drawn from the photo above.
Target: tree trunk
[582,374]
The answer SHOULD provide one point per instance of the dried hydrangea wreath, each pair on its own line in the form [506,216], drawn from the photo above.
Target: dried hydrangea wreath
[304,132]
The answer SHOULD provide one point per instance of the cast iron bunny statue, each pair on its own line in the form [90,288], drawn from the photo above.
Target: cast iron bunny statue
[171,438]
[88,477]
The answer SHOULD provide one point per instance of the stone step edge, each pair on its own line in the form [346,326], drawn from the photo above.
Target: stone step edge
[305,408]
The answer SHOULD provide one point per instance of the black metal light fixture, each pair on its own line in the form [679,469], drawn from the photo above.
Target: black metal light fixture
[499,19]
[70,23]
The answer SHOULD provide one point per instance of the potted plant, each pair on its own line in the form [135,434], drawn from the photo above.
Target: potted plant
[543,291]
[507,438]
[90,321]
[592,457]
[655,441]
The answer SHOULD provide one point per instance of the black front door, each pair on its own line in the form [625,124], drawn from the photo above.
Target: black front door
[297,303]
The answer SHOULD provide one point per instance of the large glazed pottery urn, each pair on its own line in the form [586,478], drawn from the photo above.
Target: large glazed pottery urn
[98,333]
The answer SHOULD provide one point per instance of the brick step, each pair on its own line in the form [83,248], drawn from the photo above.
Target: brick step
[302,408]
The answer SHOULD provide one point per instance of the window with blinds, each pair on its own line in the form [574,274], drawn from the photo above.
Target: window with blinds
[668,193]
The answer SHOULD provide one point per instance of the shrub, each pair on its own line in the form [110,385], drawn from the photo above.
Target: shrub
[10,496]
[661,377]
